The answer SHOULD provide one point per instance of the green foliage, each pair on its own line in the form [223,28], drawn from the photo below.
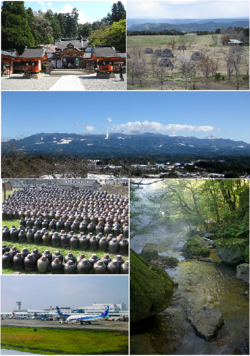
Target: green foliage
[217,76]
[42,30]
[16,32]
[246,254]
[114,35]
[118,13]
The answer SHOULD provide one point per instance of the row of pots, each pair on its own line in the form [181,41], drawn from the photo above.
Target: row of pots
[55,263]
[114,245]
[76,226]
[55,203]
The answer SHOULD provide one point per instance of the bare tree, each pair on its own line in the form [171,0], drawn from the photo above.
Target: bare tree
[188,67]
[154,64]
[214,39]
[172,43]
[161,74]
[229,62]
[236,53]
[140,66]
[183,42]
[207,65]
[246,64]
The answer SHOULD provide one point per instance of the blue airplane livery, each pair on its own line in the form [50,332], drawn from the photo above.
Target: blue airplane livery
[87,318]
[61,315]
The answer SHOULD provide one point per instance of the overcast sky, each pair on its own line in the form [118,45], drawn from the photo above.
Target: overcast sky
[89,11]
[187,9]
[224,114]
[39,292]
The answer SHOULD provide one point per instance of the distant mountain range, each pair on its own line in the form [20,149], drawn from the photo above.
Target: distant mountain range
[184,25]
[121,145]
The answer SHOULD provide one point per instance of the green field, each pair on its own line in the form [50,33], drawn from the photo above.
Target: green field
[63,342]
[41,248]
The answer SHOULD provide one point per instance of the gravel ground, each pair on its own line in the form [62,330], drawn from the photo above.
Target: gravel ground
[115,189]
[93,83]
[17,82]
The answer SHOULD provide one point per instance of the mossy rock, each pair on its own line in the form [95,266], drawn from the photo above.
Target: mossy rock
[246,254]
[194,248]
[232,251]
[169,261]
[150,255]
[151,289]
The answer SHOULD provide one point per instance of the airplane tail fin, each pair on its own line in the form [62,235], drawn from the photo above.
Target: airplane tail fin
[13,314]
[106,312]
[58,311]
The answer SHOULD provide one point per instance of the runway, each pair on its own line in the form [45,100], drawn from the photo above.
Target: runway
[110,326]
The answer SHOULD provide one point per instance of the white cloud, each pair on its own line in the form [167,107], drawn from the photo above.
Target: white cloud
[41,3]
[158,127]
[81,19]
[109,119]
[187,9]
[89,128]
[49,4]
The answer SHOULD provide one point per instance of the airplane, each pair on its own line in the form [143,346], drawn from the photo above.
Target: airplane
[86,318]
[61,315]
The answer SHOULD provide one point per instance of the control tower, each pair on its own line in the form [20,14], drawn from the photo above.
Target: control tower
[19,305]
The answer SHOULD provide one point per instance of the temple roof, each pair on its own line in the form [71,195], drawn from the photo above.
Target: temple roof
[33,52]
[105,52]
[76,43]
[9,52]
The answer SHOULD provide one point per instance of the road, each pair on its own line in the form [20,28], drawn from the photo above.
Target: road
[180,84]
[110,326]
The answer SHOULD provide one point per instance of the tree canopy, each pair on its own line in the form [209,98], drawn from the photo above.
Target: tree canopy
[16,32]
[220,206]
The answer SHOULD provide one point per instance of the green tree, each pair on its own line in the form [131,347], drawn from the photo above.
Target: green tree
[42,30]
[118,13]
[114,35]
[16,32]
[71,23]
[85,29]
[54,22]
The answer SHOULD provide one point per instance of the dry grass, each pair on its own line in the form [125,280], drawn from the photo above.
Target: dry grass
[200,42]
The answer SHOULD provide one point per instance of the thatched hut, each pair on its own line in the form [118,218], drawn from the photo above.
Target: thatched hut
[157,53]
[148,50]
[167,53]
[196,56]
[182,48]
[165,62]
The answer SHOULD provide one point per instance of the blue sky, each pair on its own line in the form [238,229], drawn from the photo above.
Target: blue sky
[199,114]
[89,11]
[187,9]
[38,292]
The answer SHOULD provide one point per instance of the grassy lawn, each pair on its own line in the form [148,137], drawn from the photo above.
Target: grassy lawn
[63,342]
[41,248]
[8,192]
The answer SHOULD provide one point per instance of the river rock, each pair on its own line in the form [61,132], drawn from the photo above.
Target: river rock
[194,248]
[231,251]
[150,255]
[151,289]
[243,272]
[206,322]
[208,259]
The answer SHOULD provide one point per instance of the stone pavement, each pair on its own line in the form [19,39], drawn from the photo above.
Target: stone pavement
[68,83]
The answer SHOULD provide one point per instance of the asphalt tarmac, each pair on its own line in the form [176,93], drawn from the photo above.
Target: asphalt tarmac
[110,326]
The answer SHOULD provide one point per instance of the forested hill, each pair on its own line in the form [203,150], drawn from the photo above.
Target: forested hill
[208,26]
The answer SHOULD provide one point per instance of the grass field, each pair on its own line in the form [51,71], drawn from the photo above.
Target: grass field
[140,43]
[63,342]
[41,248]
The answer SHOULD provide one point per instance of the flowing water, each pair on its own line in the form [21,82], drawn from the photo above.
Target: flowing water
[199,284]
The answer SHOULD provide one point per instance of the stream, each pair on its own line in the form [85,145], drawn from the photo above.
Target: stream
[198,284]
